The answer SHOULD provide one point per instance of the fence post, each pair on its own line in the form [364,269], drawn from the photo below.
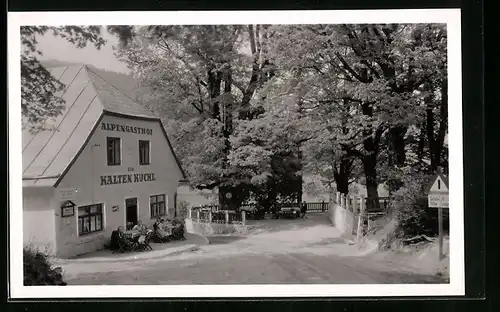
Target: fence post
[210,216]
[347,206]
[322,206]
[226,213]
[361,220]
[189,213]
[243,217]
[198,215]
[338,199]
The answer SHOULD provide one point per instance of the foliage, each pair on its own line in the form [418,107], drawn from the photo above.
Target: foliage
[40,91]
[204,79]
[410,209]
[183,209]
[38,270]
[348,102]
[369,87]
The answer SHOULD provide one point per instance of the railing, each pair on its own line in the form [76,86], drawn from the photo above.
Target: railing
[205,215]
[362,212]
[206,207]
[218,216]
[317,207]
[353,203]
[371,204]
[235,217]
[311,207]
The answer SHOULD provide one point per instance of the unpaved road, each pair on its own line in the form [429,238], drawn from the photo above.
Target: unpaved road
[274,252]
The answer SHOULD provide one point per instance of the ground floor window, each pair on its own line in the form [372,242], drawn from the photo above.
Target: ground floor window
[157,205]
[90,219]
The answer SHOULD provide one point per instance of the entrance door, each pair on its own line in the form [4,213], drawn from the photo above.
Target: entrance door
[131,210]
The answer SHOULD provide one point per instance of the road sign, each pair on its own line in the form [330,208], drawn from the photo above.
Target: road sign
[439,185]
[438,200]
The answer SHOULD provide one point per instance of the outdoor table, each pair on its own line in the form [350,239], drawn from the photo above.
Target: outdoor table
[132,234]
[168,228]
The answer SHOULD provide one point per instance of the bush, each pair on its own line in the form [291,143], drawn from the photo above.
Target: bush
[410,208]
[38,270]
[183,209]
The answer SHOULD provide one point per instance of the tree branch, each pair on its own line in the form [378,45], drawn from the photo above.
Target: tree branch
[180,58]
[350,70]
[351,152]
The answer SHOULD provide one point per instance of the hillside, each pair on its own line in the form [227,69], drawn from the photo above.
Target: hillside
[125,82]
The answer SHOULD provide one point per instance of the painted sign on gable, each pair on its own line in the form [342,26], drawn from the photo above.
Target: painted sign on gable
[68,194]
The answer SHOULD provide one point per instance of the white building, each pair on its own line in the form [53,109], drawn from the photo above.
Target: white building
[109,155]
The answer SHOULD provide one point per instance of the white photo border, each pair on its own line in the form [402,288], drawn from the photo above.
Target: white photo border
[451,17]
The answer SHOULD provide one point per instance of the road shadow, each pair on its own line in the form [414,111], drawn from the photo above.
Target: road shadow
[287,224]
[221,240]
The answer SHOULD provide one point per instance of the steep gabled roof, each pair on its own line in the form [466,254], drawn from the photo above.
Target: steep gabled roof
[48,153]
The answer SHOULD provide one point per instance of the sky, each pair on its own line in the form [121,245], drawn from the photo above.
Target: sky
[56,48]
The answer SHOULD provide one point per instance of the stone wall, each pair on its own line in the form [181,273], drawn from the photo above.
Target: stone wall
[344,213]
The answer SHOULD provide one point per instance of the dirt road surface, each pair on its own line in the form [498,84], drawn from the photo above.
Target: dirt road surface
[307,251]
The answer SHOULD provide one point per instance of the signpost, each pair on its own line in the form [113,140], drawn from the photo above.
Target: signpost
[438,198]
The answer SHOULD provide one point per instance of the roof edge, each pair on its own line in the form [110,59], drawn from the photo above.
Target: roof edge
[110,113]
[80,150]
[28,178]
[136,117]
[183,173]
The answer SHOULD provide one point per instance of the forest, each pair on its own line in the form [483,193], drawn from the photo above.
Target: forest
[251,108]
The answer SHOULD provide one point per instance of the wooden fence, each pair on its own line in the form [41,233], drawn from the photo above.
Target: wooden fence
[311,207]
[353,204]
[360,212]
[217,216]
[316,207]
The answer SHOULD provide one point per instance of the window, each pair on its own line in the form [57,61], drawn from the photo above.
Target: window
[89,219]
[144,152]
[157,204]
[114,148]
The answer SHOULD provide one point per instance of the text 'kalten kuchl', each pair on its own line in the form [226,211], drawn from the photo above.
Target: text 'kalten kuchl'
[127,178]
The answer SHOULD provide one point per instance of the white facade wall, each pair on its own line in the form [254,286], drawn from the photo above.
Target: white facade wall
[39,218]
[85,175]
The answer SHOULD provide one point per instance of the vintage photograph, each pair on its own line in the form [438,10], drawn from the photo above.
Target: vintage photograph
[236,154]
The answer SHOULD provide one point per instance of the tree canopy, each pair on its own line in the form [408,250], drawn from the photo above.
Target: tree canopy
[252,108]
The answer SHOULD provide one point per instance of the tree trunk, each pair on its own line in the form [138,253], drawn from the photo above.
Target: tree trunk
[341,176]
[369,167]
[397,135]
[228,102]
[214,85]
[300,180]
[443,123]
[421,144]
[370,145]
[435,145]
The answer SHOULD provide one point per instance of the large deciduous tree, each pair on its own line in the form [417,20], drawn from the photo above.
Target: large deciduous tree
[373,81]
[207,75]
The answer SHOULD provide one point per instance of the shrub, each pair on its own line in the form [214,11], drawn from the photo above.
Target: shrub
[410,208]
[183,209]
[38,270]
